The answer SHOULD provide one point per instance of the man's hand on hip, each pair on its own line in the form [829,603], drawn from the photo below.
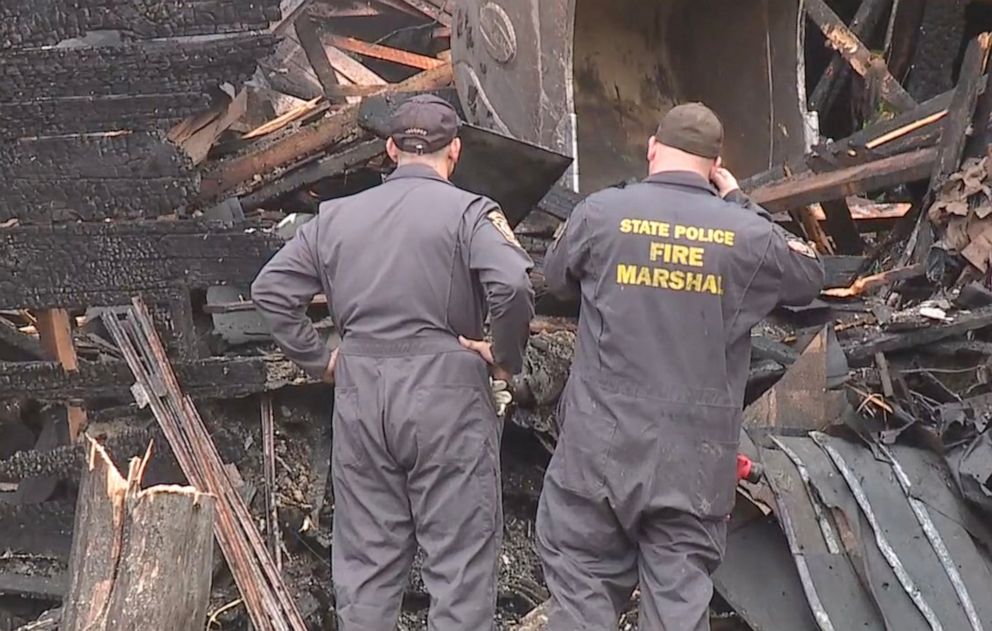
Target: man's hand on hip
[485,350]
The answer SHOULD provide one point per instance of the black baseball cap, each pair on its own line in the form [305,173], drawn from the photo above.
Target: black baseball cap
[693,128]
[423,124]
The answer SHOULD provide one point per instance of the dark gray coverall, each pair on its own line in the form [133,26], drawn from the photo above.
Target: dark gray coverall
[671,279]
[407,267]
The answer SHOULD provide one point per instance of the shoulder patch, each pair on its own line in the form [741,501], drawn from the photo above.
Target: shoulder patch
[498,219]
[801,247]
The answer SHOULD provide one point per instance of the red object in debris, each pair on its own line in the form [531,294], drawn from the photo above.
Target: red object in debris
[748,470]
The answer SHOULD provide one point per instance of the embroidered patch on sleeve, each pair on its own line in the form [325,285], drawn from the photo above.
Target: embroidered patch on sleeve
[498,219]
[802,247]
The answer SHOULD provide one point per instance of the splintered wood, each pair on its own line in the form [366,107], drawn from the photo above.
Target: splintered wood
[261,585]
[141,559]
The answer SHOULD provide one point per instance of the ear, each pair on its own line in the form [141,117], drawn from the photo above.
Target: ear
[652,148]
[455,150]
[719,162]
[392,150]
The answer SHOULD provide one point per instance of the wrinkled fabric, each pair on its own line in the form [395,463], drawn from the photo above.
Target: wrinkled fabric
[671,279]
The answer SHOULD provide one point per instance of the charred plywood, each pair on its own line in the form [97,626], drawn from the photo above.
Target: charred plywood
[603,73]
[79,265]
[25,23]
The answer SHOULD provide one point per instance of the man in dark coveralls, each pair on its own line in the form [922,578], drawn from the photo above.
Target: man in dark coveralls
[408,267]
[672,273]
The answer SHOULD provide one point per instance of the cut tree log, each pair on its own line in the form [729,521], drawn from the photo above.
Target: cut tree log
[140,558]
[840,37]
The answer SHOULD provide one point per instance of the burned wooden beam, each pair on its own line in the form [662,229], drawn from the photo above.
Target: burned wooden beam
[807,188]
[21,23]
[862,352]
[385,53]
[196,66]
[306,31]
[840,37]
[214,378]
[240,172]
[863,24]
[86,264]
[841,227]
[875,281]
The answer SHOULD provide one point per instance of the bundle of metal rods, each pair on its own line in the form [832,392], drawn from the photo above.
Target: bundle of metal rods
[265,595]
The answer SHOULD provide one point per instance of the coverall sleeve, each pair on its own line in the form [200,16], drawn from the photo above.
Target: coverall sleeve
[283,291]
[565,260]
[789,259]
[503,268]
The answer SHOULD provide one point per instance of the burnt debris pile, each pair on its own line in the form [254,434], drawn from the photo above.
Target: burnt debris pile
[164,150]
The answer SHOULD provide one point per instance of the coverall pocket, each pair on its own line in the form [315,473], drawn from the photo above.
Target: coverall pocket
[716,479]
[458,456]
[453,423]
[348,448]
[582,457]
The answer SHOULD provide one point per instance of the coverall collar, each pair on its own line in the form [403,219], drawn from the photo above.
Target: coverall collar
[682,178]
[415,170]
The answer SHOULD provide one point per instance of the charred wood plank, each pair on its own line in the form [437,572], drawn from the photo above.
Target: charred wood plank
[980,139]
[806,188]
[306,31]
[860,352]
[85,114]
[127,70]
[841,227]
[917,129]
[29,23]
[15,345]
[559,202]
[385,53]
[863,24]
[840,37]
[306,141]
[83,264]
[328,166]
[89,199]
[961,111]
[215,378]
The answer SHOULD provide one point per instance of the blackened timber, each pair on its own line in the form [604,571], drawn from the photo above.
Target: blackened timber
[306,31]
[131,69]
[334,164]
[961,111]
[840,37]
[72,199]
[84,264]
[806,188]
[841,228]
[114,155]
[559,202]
[862,352]
[85,114]
[27,23]
[852,151]
[980,139]
[215,378]
[863,24]
[16,345]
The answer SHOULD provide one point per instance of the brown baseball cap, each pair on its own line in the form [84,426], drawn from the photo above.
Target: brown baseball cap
[424,124]
[693,128]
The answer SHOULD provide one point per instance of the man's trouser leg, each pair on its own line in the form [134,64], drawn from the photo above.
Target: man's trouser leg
[373,544]
[590,566]
[677,553]
[454,488]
